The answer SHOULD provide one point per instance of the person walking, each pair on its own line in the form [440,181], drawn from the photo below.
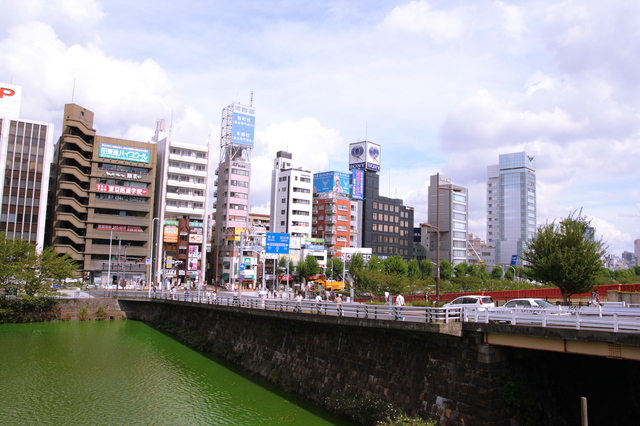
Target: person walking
[399,304]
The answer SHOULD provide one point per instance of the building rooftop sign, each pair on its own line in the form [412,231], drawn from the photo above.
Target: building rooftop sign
[10,98]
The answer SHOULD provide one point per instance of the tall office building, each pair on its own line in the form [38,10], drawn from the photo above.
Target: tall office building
[448,212]
[181,236]
[636,247]
[511,206]
[233,176]
[386,223]
[101,203]
[26,149]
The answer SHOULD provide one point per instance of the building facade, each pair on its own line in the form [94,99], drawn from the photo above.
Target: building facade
[511,206]
[101,203]
[386,223]
[448,212]
[181,238]
[26,151]
[232,182]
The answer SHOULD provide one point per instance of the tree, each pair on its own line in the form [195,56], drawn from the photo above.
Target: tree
[308,267]
[375,264]
[413,269]
[460,270]
[426,266]
[335,267]
[565,255]
[395,265]
[496,272]
[30,272]
[446,270]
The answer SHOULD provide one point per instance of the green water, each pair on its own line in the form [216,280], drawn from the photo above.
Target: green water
[126,373]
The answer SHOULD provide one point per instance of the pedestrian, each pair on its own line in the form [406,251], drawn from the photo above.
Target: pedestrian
[399,304]
[595,298]
[299,302]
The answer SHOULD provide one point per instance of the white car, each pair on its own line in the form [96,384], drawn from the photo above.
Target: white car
[527,303]
[471,302]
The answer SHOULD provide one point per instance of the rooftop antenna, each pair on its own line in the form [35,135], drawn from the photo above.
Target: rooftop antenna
[366,130]
[251,100]
[73,90]
[171,124]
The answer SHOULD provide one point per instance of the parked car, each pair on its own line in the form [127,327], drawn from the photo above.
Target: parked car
[527,303]
[471,302]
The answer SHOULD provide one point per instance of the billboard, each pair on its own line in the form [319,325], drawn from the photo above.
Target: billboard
[124,153]
[365,156]
[331,182]
[10,97]
[243,125]
[357,184]
[170,234]
[125,190]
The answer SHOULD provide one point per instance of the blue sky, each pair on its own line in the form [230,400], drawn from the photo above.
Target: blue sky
[442,86]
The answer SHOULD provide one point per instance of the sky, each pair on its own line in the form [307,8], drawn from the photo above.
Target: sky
[442,86]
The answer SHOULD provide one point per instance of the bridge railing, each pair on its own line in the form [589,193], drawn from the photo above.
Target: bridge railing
[605,318]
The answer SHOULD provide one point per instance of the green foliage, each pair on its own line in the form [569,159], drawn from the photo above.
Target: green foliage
[413,269]
[100,314]
[427,268]
[32,273]
[405,420]
[83,314]
[564,255]
[335,267]
[375,264]
[366,411]
[446,270]
[395,265]
[357,263]
[460,270]
[496,272]
[636,270]
[308,267]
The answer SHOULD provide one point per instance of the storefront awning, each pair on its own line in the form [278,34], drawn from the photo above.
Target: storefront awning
[224,276]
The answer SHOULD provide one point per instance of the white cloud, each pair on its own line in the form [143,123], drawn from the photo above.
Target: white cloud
[514,25]
[418,16]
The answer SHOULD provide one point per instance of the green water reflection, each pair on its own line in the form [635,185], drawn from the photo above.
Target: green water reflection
[126,373]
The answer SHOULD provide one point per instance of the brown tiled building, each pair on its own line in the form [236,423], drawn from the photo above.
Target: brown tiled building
[101,204]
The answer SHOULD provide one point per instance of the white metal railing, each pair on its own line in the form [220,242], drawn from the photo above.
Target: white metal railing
[611,317]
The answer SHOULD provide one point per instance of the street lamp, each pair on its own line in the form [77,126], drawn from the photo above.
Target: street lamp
[153,254]
[437,228]
[109,269]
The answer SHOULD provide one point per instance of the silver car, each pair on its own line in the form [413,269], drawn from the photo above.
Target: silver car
[481,302]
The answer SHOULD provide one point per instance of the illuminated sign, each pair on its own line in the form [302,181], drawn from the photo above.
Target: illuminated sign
[195,235]
[124,153]
[125,190]
[277,243]
[133,176]
[337,182]
[357,184]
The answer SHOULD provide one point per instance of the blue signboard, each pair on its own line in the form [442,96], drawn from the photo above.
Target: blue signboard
[125,153]
[277,243]
[357,184]
[243,125]
[331,181]
[514,260]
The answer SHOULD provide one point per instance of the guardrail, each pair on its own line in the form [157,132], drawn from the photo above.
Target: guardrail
[611,318]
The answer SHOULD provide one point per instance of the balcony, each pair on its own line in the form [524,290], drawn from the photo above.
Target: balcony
[331,220]
[330,230]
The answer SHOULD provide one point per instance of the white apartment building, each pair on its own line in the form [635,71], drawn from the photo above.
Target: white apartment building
[181,238]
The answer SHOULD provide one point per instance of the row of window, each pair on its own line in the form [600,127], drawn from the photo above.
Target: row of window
[387,250]
[186,178]
[124,169]
[185,204]
[119,197]
[188,153]
[187,166]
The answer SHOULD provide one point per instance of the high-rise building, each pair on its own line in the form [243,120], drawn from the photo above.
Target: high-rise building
[233,177]
[511,206]
[448,212]
[386,223]
[181,238]
[636,246]
[101,202]
[26,149]
[291,198]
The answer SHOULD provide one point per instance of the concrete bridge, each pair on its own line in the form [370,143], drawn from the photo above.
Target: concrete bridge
[459,372]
